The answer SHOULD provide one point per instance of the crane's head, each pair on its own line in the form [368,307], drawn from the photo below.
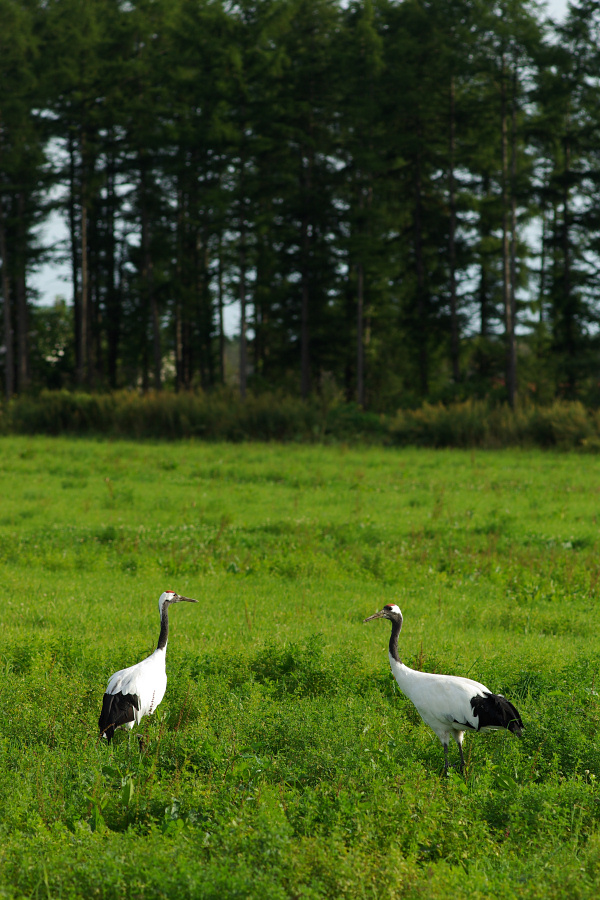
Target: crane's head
[172,597]
[390,611]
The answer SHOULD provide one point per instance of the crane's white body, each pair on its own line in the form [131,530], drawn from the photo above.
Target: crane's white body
[147,680]
[442,701]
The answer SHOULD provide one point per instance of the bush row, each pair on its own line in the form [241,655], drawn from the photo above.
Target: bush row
[565,425]
[216,416]
[224,416]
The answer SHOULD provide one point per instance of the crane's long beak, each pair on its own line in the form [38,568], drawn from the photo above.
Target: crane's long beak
[187,599]
[378,615]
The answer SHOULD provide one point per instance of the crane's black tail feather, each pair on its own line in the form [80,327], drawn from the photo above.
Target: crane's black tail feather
[495,711]
[117,709]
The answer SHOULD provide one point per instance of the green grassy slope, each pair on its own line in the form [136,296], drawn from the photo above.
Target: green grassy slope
[283,762]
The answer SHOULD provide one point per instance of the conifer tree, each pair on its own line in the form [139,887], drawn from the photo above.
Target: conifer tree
[22,182]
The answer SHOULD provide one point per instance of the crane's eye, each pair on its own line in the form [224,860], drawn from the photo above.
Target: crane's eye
[389,608]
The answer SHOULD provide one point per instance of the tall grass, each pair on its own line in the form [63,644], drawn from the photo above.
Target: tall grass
[223,416]
[283,761]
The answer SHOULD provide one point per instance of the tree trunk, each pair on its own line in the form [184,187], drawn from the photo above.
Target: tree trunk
[243,324]
[84,371]
[483,275]
[9,361]
[221,324]
[242,267]
[305,309]
[95,341]
[74,258]
[512,361]
[145,364]
[83,336]
[506,293]
[22,342]
[179,363]
[22,313]
[156,339]
[568,323]
[542,267]
[258,305]
[360,345]
[151,302]
[305,328]
[420,271]
[205,320]
[365,200]
[305,244]
[454,338]
[113,310]
[483,301]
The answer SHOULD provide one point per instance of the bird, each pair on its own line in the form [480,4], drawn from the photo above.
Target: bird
[449,704]
[136,692]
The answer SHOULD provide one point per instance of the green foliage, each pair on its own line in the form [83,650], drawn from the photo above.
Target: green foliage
[215,416]
[223,416]
[283,761]
[369,180]
[476,424]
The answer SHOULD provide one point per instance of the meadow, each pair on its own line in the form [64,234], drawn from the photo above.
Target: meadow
[283,762]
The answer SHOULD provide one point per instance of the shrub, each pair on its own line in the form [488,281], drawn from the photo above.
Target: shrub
[223,416]
[474,424]
[460,425]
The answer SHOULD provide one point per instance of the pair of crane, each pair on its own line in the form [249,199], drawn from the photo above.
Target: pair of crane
[449,704]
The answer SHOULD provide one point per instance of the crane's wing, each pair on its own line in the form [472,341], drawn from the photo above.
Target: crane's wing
[147,681]
[125,680]
[117,709]
[495,711]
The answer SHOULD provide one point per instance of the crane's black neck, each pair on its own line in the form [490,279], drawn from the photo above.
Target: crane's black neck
[396,627]
[164,627]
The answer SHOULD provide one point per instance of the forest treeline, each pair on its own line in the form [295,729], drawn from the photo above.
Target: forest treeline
[401,197]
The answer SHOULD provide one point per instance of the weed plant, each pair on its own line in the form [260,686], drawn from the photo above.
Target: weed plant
[283,761]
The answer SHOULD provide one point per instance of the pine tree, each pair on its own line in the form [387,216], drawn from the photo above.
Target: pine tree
[568,132]
[22,181]
[362,187]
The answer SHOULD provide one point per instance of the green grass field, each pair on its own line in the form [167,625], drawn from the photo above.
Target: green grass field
[283,763]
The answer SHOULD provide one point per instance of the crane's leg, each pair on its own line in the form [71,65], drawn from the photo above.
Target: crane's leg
[446,758]
[458,737]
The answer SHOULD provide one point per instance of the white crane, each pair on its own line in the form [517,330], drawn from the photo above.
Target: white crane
[135,692]
[450,705]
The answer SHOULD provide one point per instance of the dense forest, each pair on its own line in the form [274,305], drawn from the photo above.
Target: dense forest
[403,198]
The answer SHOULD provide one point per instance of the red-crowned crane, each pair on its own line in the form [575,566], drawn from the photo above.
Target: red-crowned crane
[449,704]
[135,692]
